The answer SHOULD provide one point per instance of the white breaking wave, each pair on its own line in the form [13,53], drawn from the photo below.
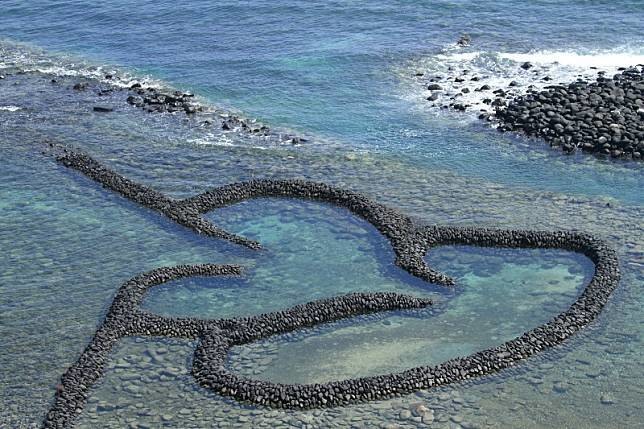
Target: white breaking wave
[10,108]
[211,139]
[502,70]
[601,60]
[16,57]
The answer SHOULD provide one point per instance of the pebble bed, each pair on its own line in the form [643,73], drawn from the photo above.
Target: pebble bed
[410,242]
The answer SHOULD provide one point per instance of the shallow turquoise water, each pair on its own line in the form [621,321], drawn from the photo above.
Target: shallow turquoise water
[501,294]
[341,75]
[313,251]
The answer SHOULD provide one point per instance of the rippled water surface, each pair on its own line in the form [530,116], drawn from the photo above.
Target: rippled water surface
[343,76]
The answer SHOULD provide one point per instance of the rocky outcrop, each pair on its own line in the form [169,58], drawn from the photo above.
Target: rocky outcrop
[603,117]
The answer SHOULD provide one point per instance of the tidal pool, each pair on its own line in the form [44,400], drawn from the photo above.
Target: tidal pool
[315,250]
[311,251]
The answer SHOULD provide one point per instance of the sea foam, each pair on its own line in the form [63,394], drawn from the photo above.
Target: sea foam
[502,70]
[10,108]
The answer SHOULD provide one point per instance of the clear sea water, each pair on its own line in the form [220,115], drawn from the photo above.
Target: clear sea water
[341,74]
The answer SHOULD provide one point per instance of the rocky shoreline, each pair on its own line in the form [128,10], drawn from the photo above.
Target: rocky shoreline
[604,117]
[154,100]
[111,90]
[410,242]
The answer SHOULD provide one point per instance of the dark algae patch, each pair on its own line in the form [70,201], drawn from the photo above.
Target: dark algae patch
[410,242]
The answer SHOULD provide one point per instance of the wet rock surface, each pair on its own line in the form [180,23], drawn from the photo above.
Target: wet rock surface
[410,242]
[103,109]
[154,100]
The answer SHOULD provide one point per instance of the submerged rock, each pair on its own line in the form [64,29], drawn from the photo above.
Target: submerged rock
[135,100]
[464,40]
[405,415]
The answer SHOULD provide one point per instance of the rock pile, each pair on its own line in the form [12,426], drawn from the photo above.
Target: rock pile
[154,100]
[602,117]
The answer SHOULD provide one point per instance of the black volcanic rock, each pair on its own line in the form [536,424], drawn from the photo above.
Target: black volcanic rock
[603,117]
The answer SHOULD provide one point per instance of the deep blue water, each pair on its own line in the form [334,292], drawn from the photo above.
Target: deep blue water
[342,74]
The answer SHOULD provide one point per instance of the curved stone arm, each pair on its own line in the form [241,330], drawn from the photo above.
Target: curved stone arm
[125,318]
[147,197]
[246,329]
